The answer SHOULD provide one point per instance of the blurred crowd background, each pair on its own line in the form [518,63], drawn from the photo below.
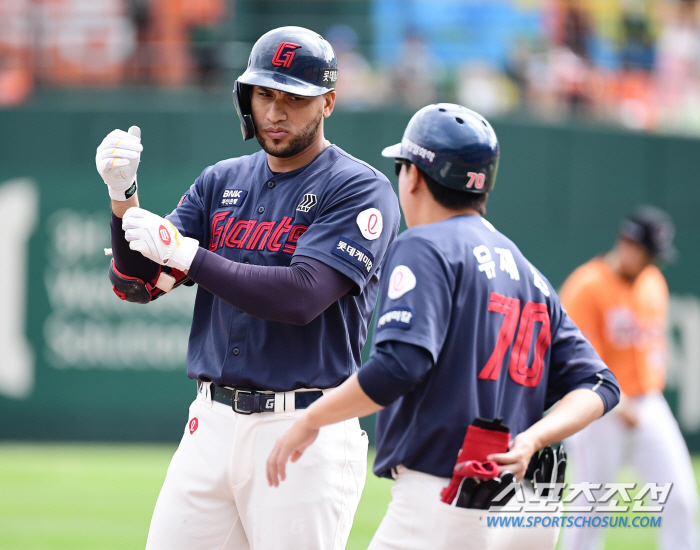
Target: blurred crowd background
[634,63]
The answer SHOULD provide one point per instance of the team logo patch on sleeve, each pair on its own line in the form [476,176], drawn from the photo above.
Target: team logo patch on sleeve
[396,318]
[370,223]
[232,197]
[355,254]
[401,281]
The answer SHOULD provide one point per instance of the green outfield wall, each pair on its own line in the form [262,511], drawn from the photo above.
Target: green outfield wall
[77,363]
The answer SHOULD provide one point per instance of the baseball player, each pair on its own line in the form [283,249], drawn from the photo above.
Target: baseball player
[285,246]
[620,301]
[466,329]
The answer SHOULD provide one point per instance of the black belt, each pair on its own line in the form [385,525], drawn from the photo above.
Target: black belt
[250,401]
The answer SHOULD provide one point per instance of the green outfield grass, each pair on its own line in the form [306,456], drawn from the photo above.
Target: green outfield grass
[97,497]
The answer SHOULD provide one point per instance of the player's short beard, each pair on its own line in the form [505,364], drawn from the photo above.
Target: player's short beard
[297,144]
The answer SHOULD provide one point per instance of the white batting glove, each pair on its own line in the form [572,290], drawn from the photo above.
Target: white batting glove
[117,160]
[157,239]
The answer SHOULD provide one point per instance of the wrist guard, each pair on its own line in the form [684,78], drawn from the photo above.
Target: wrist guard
[133,289]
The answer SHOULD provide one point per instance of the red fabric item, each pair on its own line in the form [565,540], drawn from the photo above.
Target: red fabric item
[478,444]
[481,470]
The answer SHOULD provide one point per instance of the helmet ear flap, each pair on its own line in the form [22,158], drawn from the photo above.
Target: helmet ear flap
[241,100]
[247,127]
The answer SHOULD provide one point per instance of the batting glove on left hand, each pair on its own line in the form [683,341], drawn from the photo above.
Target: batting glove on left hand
[117,159]
[157,239]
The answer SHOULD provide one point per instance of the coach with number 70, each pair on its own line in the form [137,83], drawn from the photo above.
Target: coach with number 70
[285,246]
[470,337]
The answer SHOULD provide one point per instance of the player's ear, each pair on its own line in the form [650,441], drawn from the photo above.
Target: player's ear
[414,178]
[328,103]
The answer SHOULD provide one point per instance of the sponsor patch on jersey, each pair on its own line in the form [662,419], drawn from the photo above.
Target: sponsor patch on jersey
[370,223]
[401,281]
[307,203]
[232,197]
[355,254]
[194,424]
[396,318]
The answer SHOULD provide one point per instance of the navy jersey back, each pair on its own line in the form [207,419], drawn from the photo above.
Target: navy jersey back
[501,343]
[337,210]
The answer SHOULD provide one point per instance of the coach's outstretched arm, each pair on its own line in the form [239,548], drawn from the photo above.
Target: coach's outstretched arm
[394,370]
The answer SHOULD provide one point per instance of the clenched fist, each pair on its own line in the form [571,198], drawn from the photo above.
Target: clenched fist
[117,160]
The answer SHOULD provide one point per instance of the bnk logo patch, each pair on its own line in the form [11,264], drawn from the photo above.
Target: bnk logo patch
[232,197]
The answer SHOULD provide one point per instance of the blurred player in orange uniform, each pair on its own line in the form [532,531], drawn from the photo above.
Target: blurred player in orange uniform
[620,302]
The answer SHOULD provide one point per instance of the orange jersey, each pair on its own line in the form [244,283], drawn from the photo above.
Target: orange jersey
[625,321]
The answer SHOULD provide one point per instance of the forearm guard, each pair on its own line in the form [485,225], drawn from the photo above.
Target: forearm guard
[133,289]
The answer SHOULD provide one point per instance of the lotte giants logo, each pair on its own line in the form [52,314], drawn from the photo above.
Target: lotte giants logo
[370,223]
[164,235]
[401,281]
[193,425]
[284,54]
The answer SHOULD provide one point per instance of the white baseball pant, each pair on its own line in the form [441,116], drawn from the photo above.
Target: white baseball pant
[658,454]
[417,520]
[216,497]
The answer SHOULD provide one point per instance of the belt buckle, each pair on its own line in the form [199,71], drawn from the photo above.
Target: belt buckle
[236,393]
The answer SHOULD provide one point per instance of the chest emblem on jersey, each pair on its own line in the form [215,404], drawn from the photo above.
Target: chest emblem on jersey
[396,318]
[308,202]
[193,425]
[370,223]
[274,235]
[354,254]
[401,281]
[232,197]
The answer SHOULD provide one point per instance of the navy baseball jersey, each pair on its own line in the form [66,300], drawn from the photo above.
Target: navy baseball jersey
[337,210]
[502,346]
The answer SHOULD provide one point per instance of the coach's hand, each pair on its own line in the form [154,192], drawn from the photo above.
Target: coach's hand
[117,160]
[518,457]
[290,445]
[157,239]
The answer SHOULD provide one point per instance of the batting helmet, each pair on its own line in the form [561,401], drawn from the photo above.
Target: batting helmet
[451,144]
[653,228]
[289,59]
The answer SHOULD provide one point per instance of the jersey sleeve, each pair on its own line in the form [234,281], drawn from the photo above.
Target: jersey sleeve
[354,228]
[574,364]
[190,214]
[415,302]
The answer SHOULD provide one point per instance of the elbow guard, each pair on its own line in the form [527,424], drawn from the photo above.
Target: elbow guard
[133,289]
